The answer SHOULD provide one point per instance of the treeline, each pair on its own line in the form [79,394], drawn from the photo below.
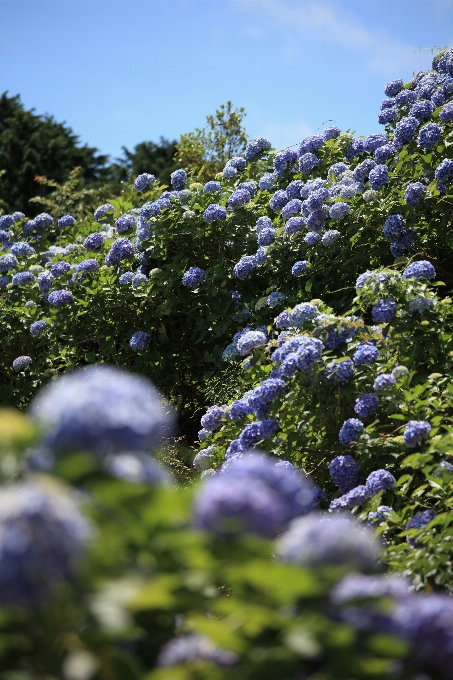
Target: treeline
[38,155]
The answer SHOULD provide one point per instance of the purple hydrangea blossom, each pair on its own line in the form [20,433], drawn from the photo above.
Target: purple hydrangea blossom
[103,211]
[340,373]
[193,277]
[8,262]
[393,227]
[405,129]
[388,115]
[331,133]
[213,417]
[330,237]
[420,270]
[256,147]
[178,179]
[415,432]
[214,212]
[385,381]
[366,404]
[66,221]
[139,341]
[318,540]
[414,193]
[22,279]
[446,115]
[383,153]
[393,87]
[187,648]
[60,298]
[212,187]
[238,198]
[339,210]
[203,459]
[444,171]
[102,409]
[291,208]
[245,266]
[311,143]
[278,200]
[344,471]
[21,362]
[45,281]
[294,188]
[121,249]
[422,110]
[267,181]
[379,480]
[294,224]
[266,236]
[94,241]
[428,136]
[125,222]
[52,534]
[300,267]
[363,169]
[378,177]
[384,310]
[301,313]
[350,431]
[307,162]
[250,340]
[143,181]
[37,328]
[365,353]
[405,97]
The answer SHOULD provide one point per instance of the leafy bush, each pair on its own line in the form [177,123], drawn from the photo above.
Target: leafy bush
[296,295]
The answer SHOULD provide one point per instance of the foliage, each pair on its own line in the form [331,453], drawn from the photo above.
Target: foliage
[32,145]
[159,159]
[206,150]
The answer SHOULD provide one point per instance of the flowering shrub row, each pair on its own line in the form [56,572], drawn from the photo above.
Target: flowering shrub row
[293,305]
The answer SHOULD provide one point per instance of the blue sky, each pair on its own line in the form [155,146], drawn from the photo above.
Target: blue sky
[123,71]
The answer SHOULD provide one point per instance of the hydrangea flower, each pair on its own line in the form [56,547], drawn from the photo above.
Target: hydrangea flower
[213,417]
[125,222]
[330,237]
[301,313]
[187,648]
[266,236]
[178,179]
[60,298]
[256,147]
[405,129]
[294,224]
[331,133]
[389,115]
[22,279]
[405,97]
[294,188]
[7,221]
[203,459]
[340,373]
[415,432]
[444,170]
[366,404]
[4,280]
[393,87]
[90,265]
[350,431]
[275,299]
[428,136]
[311,143]
[393,227]
[45,281]
[291,208]
[250,340]
[244,267]
[238,198]
[312,238]
[383,153]
[419,304]
[378,177]
[278,200]
[363,169]
[137,468]
[317,540]
[373,142]
[212,187]
[300,267]
[422,110]
[66,221]
[139,341]
[404,242]
[379,480]
[267,181]
[103,211]
[193,277]
[43,220]
[60,268]
[344,471]
[307,162]
[143,181]
[214,212]
[385,381]
[37,328]
[414,193]
[121,250]
[339,210]
[420,270]
[384,310]
[94,241]
[284,160]
[365,353]
[21,362]
[46,523]
[8,262]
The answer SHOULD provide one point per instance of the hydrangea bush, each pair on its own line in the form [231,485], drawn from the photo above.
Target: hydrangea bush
[303,320]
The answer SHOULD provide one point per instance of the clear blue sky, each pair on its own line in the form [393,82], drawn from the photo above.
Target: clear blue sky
[123,71]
